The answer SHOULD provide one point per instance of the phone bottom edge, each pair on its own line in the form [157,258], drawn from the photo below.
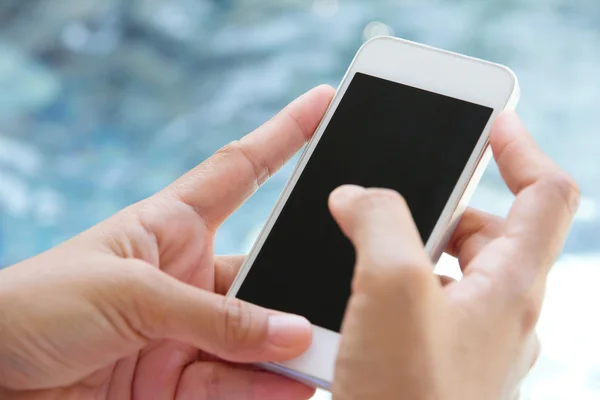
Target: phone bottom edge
[295,375]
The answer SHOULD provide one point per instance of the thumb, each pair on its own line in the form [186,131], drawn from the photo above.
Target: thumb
[159,306]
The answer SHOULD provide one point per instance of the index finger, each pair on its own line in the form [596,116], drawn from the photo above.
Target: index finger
[546,196]
[390,254]
[220,184]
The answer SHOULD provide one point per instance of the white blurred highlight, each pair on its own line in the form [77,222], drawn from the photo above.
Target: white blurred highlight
[376,28]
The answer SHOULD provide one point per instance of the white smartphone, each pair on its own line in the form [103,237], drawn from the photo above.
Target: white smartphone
[407,117]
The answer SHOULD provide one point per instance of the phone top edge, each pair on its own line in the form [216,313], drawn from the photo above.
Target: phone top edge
[503,67]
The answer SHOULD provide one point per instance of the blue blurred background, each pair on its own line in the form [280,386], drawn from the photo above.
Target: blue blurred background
[102,103]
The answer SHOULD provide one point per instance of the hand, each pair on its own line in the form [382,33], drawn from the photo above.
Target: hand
[133,308]
[405,335]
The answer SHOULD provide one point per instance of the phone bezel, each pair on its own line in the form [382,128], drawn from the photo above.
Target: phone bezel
[423,67]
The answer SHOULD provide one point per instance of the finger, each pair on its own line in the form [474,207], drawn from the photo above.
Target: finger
[219,185]
[156,306]
[218,381]
[388,247]
[392,291]
[547,197]
[226,269]
[474,231]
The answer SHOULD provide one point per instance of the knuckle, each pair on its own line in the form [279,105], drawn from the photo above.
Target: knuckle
[529,305]
[229,149]
[236,148]
[239,328]
[565,188]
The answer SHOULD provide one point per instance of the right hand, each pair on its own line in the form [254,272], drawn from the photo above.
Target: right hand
[407,336]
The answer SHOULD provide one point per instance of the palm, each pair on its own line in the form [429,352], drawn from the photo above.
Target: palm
[157,370]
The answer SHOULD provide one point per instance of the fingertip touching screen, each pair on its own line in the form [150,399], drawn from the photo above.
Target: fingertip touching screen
[382,134]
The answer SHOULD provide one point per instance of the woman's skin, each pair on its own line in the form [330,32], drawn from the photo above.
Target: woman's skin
[133,308]
[407,336]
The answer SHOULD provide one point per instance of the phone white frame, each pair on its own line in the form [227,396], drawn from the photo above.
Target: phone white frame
[423,67]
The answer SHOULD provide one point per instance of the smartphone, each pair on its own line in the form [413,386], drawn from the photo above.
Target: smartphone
[407,117]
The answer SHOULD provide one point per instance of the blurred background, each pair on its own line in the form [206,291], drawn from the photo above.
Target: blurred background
[102,103]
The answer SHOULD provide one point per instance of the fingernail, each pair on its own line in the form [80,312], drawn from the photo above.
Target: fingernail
[345,193]
[287,330]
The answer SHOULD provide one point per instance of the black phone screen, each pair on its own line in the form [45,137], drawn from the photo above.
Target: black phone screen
[382,134]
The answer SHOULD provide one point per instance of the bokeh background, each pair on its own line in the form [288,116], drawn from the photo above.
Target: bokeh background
[102,103]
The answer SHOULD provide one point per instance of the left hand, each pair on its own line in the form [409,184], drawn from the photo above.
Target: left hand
[133,308]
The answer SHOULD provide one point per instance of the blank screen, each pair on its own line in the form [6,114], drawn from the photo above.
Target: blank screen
[382,134]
